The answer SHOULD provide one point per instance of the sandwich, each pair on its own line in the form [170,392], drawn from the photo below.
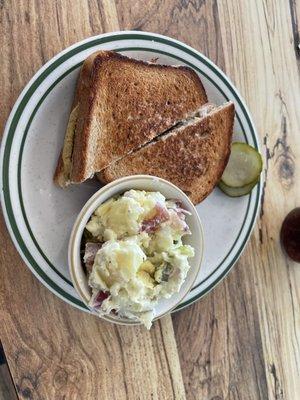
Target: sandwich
[192,154]
[120,105]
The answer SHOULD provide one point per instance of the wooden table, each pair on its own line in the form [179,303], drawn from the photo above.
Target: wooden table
[242,341]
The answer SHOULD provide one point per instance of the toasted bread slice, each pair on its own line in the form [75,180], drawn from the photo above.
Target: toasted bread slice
[193,155]
[122,104]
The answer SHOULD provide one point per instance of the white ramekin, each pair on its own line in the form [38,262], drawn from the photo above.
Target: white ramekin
[141,182]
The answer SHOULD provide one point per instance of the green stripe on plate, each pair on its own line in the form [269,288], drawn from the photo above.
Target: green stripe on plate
[22,105]
[27,130]
[20,167]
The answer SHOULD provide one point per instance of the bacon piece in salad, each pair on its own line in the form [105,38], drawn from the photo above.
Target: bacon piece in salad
[152,224]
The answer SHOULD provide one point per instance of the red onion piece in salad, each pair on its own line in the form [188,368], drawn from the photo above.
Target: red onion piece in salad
[180,210]
[99,298]
[90,252]
[177,221]
[151,225]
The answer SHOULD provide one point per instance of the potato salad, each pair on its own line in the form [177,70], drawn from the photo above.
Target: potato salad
[134,254]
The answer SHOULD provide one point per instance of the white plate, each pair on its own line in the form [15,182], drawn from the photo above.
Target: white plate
[40,216]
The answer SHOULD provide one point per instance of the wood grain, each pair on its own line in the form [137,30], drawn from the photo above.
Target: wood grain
[274,97]
[7,388]
[242,341]
[247,329]
[295,19]
[53,350]
[7,391]
[57,352]
[194,22]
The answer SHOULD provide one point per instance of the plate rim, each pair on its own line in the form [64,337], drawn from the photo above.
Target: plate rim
[127,35]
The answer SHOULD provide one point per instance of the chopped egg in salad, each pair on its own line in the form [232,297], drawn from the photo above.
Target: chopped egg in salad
[134,255]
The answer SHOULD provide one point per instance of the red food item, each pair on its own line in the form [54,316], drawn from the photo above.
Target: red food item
[90,254]
[290,234]
[180,210]
[99,298]
[151,225]
[177,220]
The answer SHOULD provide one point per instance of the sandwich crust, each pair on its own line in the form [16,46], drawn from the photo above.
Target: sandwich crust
[64,164]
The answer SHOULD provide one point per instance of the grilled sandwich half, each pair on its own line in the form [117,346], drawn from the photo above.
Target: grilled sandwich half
[192,155]
[120,105]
